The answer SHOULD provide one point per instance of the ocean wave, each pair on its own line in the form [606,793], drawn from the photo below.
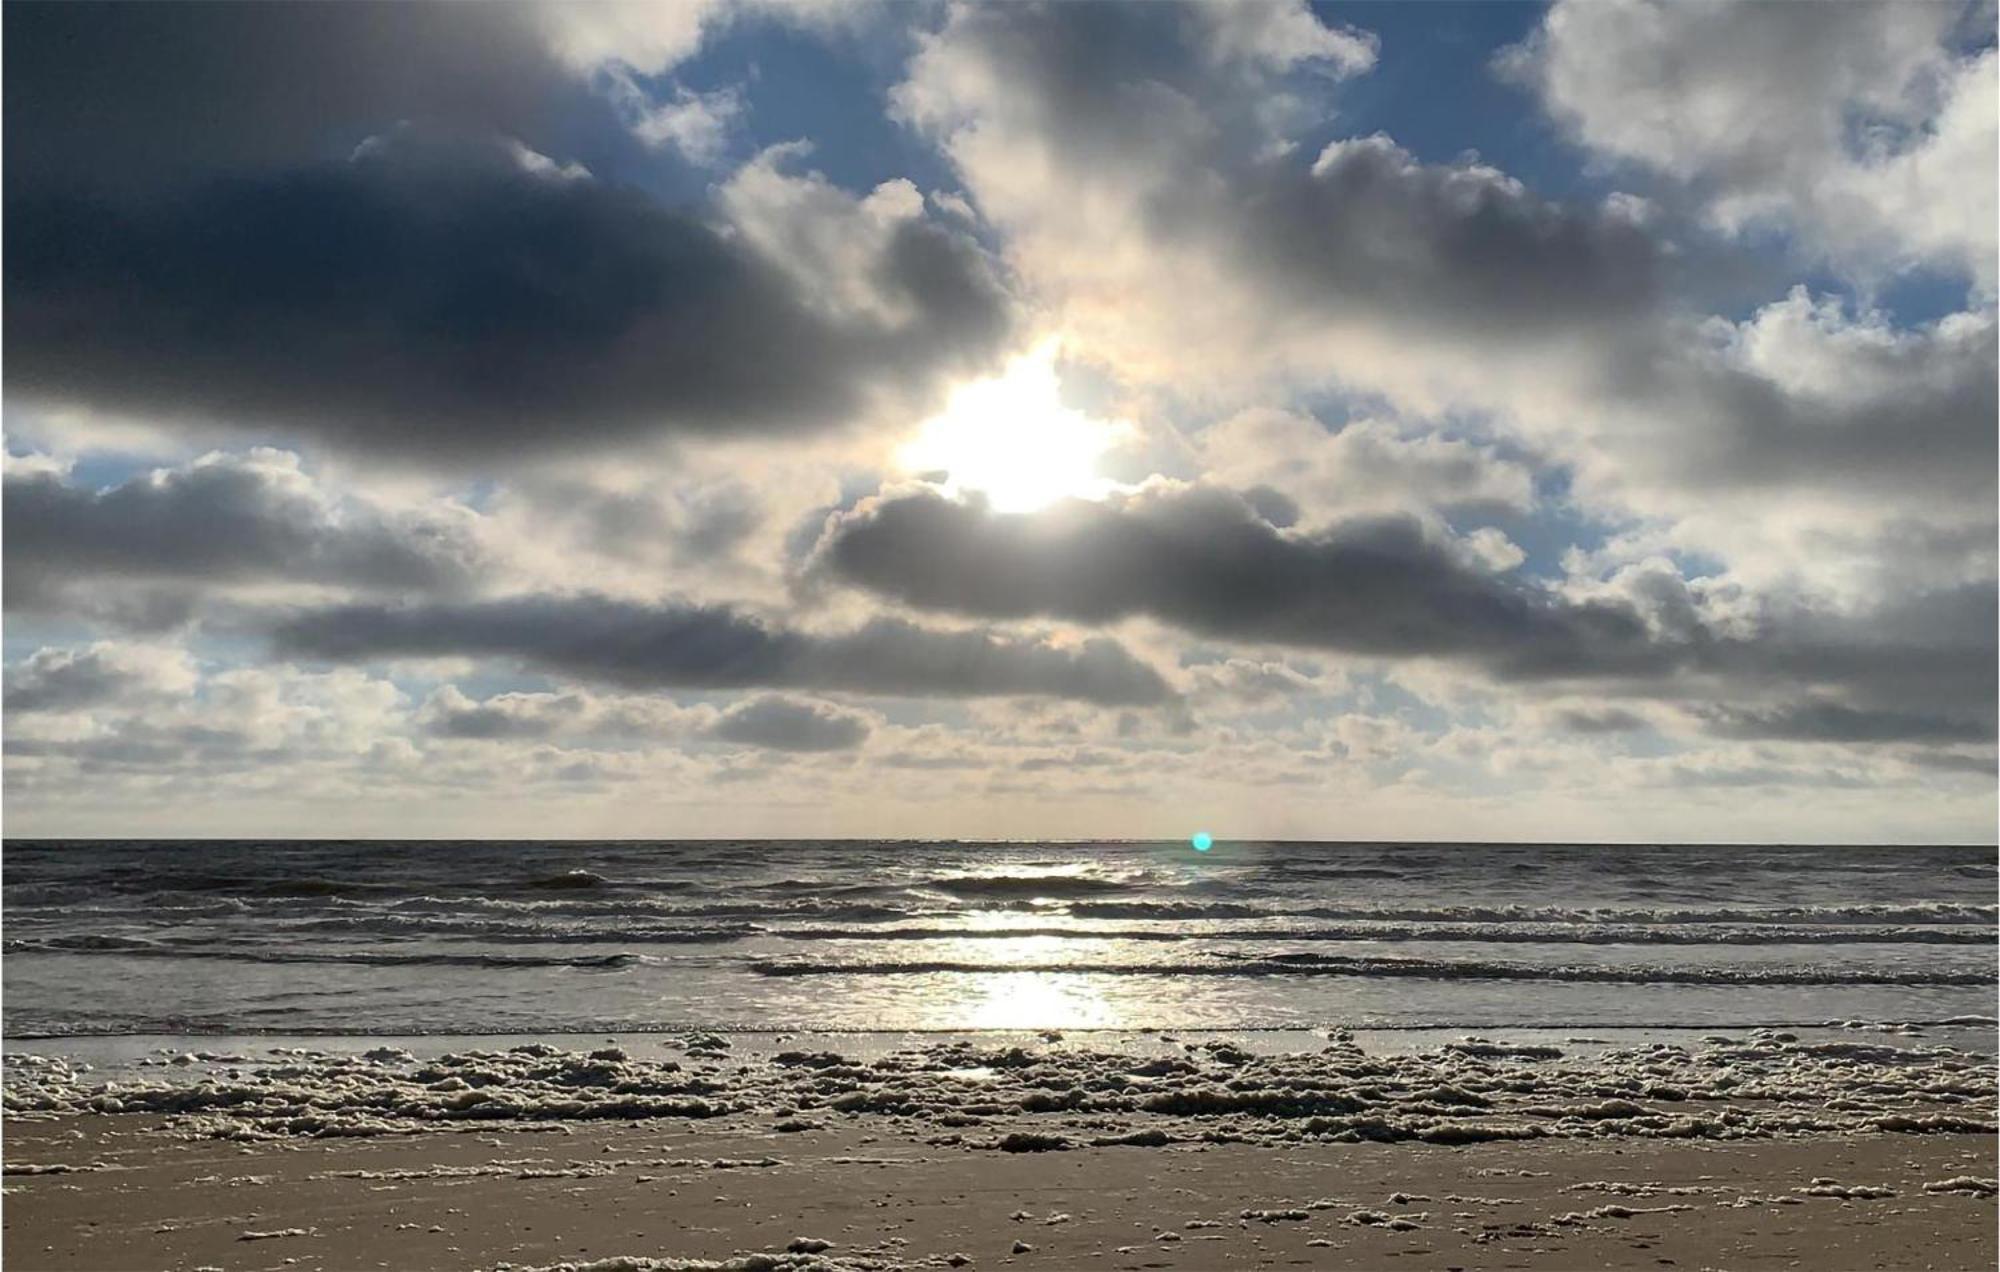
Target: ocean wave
[1923,912]
[81,943]
[408,927]
[131,947]
[582,896]
[404,927]
[1418,968]
[1028,885]
[1502,933]
[1174,910]
[570,879]
[823,888]
[1343,872]
[568,907]
[182,889]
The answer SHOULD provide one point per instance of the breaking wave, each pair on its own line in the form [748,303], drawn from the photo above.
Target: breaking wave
[1424,969]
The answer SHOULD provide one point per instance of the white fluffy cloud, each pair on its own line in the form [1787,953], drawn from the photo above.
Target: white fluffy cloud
[1865,126]
[1364,466]
[695,124]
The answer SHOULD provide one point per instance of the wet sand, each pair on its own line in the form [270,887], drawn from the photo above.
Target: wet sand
[141,1195]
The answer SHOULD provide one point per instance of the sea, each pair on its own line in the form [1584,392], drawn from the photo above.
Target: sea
[173,939]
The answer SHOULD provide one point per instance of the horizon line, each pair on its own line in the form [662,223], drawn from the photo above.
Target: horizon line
[1000,840]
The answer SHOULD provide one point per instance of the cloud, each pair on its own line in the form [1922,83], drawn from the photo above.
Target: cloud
[1199,559]
[715,647]
[449,713]
[1280,34]
[1813,721]
[140,97]
[220,519]
[1813,447]
[226,721]
[1818,396]
[1461,248]
[1602,720]
[791,724]
[1955,762]
[146,97]
[648,37]
[1866,127]
[695,124]
[65,680]
[1365,465]
[1257,682]
[660,524]
[1202,560]
[1132,165]
[775,722]
[1928,652]
[652,38]
[1374,390]
[437,300]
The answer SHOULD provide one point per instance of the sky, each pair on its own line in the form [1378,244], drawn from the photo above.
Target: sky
[817,418]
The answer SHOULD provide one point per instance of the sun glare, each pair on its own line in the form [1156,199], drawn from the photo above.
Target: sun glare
[1011,439]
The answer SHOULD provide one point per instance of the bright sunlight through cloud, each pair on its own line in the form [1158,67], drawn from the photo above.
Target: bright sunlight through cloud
[1011,438]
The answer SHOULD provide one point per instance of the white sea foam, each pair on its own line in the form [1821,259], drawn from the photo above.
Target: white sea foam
[1971,1184]
[788,1261]
[1615,1211]
[1846,1192]
[1058,1097]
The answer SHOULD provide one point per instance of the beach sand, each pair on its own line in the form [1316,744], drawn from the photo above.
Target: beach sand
[885,1199]
[1749,1149]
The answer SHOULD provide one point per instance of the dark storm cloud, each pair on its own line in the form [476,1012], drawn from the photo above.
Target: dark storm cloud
[139,96]
[1916,667]
[705,524]
[1202,560]
[714,647]
[1952,762]
[715,520]
[1909,414]
[451,303]
[1603,720]
[142,746]
[1929,653]
[188,241]
[786,724]
[1833,722]
[1367,229]
[220,520]
[65,680]
[506,717]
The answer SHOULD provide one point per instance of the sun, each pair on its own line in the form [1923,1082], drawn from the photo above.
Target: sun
[1010,438]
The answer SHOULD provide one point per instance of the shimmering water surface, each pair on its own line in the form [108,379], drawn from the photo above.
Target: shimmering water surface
[430,938]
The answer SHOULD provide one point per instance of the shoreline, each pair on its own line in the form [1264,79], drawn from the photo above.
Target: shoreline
[1979,1034]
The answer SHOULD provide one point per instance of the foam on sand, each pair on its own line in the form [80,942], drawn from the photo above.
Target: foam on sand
[1056,1097]
[1964,1184]
[787,1261]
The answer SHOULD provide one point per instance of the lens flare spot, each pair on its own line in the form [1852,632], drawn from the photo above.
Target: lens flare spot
[1202,841]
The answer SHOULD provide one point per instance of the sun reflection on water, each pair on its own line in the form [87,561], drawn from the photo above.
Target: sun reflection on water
[1034,1000]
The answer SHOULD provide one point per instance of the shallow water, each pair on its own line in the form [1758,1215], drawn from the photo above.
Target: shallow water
[428,938]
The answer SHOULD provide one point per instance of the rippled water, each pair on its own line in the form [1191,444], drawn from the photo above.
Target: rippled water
[453,938]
